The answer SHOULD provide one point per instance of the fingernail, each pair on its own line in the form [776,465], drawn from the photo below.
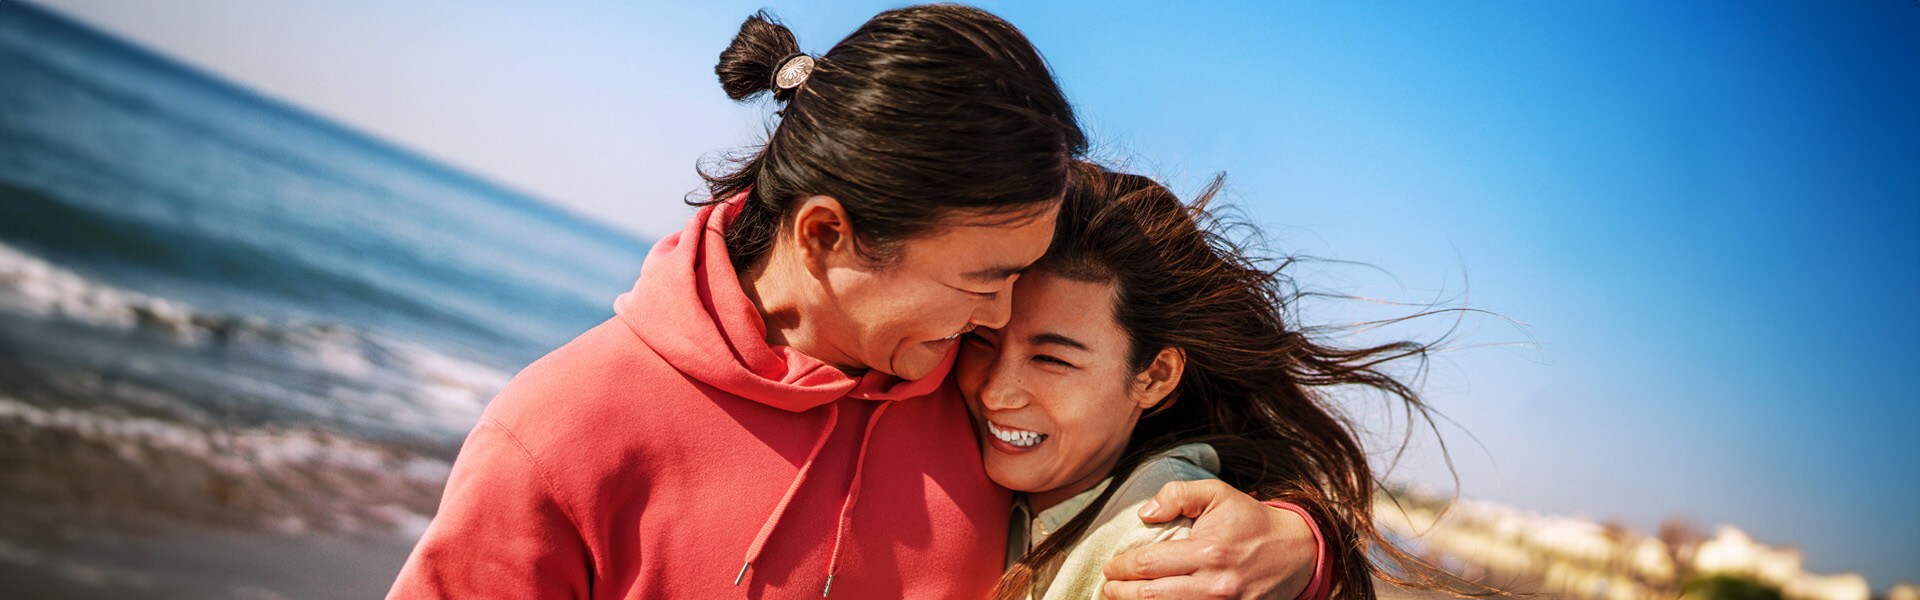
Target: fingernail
[1152,506]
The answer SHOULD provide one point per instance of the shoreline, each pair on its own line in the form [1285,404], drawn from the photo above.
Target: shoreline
[201,564]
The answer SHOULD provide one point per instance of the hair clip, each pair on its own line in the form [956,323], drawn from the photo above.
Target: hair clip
[793,71]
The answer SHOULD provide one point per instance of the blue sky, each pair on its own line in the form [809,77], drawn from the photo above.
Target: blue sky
[1699,217]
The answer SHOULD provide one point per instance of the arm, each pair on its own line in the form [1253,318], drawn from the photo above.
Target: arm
[499,533]
[1240,548]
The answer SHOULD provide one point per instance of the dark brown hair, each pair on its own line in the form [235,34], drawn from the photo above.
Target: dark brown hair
[921,111]
[1250,387]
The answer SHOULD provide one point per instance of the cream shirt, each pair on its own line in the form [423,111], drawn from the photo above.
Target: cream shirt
[1118,527]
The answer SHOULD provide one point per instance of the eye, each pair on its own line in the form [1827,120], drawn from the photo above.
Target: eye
[1042,358]
[981,295]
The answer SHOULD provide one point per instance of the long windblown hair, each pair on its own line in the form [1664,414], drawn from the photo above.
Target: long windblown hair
[1252,387]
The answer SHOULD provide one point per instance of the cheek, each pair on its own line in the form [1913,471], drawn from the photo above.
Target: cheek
[910,310]
[970,370]
[942,312]
[1098,426]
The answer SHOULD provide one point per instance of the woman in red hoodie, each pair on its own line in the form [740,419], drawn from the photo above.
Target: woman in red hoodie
[768,414]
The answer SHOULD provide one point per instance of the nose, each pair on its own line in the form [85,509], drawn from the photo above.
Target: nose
[997,310]
[1002,390]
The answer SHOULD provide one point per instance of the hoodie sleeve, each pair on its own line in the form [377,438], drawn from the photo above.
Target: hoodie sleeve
[499,533]
[1321,586]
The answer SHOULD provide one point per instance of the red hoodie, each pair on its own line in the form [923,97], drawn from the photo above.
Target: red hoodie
[661,451]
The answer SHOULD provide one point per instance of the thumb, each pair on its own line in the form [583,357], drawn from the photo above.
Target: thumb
[1183,498]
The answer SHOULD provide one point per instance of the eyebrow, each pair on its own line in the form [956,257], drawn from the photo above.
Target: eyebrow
[993,274]
[1056,339]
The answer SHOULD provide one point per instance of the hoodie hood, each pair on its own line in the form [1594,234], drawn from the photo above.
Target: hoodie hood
[689,307]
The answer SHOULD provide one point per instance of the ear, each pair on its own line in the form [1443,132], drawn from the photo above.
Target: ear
[822,233]
[1154,383]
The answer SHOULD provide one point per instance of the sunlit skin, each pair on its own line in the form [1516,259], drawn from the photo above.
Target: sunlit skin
[1058,369]
[818,295]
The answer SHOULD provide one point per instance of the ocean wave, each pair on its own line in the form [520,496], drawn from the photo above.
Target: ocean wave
[125,471]
[35,287]
[125,411]
[328,373]
[242,263]
[228,449]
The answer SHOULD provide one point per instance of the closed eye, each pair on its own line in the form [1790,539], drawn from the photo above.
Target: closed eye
[981,295]
[1006,282]
[1053,361]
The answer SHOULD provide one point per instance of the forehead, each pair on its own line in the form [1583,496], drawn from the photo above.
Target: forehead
[986,246]
[1047,303]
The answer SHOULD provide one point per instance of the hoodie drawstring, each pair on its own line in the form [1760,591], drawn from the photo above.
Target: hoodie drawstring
[853,496]
[846,506]
[766,530]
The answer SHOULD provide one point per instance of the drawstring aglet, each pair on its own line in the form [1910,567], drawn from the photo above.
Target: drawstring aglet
[743,573]
[823,593]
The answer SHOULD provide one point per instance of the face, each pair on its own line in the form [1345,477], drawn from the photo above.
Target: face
[1051,393]
[903,317]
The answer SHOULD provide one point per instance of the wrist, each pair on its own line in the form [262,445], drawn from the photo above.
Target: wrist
[1319,586]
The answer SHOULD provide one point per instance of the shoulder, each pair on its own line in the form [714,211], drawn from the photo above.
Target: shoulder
[607,362]
[1118,527]
[591,392]
[1187,462]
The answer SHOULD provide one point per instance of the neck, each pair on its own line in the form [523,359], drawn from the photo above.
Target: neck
[1039,502]
[1042,500]
[788,301]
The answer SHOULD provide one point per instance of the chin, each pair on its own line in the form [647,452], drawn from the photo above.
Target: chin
[915,365]
[1009,480]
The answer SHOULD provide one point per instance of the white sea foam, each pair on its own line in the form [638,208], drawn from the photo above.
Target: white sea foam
[233,450]
[37,288]
[34,287]
[380,380]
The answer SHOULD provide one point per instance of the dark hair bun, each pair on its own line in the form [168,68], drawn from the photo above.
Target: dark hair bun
[746,67]
[920,112]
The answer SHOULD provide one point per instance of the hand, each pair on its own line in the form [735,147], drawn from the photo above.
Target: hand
[1239,548]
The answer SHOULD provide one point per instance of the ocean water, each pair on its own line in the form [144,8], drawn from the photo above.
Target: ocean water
[220,314]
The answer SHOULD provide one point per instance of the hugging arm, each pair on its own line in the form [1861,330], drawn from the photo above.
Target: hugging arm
[1239,548]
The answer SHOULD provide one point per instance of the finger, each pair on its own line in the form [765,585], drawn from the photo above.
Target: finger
[1185,498]
[1163,559]
[1171,587]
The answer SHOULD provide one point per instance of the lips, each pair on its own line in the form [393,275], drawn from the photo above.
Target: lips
[953,337]
[1018,438]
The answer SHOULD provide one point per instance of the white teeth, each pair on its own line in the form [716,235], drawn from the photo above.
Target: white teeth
[1016,437]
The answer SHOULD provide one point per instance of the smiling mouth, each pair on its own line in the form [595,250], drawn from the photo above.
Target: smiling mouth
[1019,438]
[955,336]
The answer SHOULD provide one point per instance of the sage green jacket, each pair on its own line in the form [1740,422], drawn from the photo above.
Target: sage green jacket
[1117,529]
